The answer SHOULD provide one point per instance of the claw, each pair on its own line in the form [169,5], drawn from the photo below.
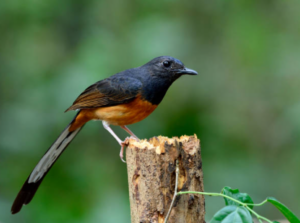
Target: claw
[121,152]
[123,144]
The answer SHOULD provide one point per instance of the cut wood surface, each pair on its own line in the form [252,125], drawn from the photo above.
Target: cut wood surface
[151,168]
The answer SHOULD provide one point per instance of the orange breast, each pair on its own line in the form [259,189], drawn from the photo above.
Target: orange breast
[124,114]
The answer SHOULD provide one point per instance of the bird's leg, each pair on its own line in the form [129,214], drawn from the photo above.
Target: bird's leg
[122,143]
[129,131]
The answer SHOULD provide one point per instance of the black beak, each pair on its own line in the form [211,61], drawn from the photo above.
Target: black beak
[187,71]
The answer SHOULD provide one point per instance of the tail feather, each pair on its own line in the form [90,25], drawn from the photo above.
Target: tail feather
[40,171]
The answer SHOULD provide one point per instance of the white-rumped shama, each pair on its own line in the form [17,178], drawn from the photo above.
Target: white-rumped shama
[122,99]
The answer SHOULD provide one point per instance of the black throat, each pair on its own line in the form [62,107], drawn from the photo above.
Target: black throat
[155,88]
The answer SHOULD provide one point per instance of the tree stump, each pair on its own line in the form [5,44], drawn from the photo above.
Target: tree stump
[151,168]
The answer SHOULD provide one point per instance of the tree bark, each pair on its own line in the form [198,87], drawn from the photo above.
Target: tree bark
[151,168]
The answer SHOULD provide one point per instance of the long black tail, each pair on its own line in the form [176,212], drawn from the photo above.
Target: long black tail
[40,171]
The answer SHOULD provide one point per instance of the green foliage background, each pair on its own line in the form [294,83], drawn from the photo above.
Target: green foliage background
[244,105]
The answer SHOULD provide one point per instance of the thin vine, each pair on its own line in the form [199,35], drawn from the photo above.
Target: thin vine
[246,205]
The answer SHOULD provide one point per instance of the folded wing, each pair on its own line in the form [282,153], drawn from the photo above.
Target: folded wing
[108,92]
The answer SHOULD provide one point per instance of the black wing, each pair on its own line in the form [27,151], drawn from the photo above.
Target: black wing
[117,89]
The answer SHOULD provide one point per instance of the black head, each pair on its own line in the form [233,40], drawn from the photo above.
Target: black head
[168,67]
[158,75]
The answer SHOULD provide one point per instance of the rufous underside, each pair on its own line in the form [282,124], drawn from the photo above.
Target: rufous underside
[123,114]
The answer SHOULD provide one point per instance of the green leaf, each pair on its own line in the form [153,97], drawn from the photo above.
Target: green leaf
[232,214]
[284,210]
[234,193]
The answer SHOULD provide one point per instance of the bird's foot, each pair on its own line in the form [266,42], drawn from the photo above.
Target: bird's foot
[123,144]
[126,143]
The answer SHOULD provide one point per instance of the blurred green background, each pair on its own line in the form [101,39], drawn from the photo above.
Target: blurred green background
[244,105]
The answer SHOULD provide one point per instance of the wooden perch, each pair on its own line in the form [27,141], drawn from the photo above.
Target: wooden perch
[151,178]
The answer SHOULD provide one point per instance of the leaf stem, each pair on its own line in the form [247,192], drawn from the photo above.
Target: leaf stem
[259,217]
[246,205]
[259,204]
[212,194]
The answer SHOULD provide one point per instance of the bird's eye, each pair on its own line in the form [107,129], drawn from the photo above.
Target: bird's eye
[167,63]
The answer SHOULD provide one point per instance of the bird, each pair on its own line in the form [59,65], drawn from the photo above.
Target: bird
[121,99]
